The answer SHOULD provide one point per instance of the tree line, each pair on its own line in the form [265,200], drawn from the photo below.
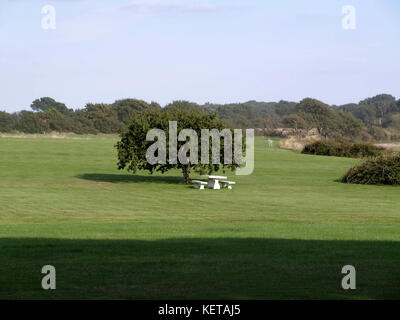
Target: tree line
[376,118]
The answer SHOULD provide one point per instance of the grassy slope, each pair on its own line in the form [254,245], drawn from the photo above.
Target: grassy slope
[283,232]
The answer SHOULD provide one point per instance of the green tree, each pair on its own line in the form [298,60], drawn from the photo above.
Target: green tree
[283,108]
[103,117]
[184,105]
[393,121]
[47,103]
[383,104]
[349,126]
[126,109]
[295,121]
[30,122]
[319,115]
[133,145]
[270,123]
[7,122]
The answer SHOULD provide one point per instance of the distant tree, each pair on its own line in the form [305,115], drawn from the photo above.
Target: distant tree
[271,122]
[392,121]
[7,122]
[319,115]
[126,109]
[184,105]
[294,121]
[103,117]
[349,126]
[57,121]
[243,115]
[133,145]
[47,103]
[30,122]
[283,108]
[378,133]
[366,113]
[383,104]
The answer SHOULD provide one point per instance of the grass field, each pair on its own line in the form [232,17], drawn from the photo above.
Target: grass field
[283,232]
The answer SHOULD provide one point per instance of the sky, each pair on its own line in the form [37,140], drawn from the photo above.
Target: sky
[217,51]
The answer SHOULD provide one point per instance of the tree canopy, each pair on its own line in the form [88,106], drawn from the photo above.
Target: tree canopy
[133,147]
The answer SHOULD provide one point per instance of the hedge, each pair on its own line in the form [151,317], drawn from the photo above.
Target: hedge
[339,148]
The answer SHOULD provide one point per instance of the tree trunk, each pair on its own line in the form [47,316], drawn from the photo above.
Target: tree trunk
[186,171]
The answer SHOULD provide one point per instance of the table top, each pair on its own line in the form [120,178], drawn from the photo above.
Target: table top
[214,177]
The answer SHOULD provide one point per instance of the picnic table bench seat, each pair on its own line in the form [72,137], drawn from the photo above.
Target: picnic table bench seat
[198,184]
[227,184]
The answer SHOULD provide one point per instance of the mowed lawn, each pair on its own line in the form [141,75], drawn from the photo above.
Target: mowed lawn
[284,232]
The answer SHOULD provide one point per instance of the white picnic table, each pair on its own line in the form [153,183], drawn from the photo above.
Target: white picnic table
[213,181]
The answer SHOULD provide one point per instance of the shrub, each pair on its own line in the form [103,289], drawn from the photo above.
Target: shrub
[339,148]
[379,171]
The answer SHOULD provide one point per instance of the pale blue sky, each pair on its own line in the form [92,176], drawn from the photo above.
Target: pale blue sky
[200,50]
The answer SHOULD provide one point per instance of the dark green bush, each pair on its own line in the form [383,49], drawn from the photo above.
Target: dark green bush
[380,171]
[339,148]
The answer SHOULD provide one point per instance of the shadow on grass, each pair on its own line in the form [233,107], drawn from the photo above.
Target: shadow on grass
[340,180]
[118,178]
[198,268]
